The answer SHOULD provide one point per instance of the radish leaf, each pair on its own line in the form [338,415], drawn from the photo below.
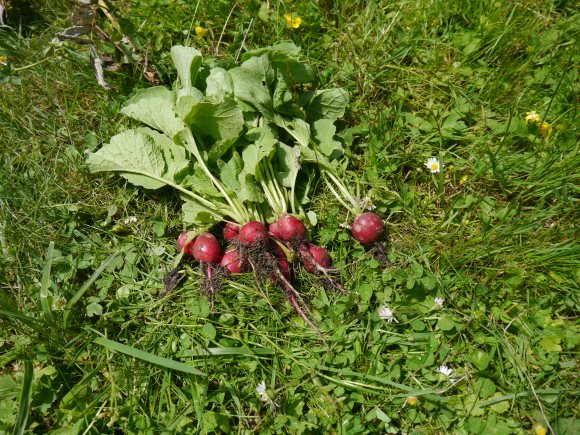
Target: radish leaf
[155,107]
[187,60]
[142,156]
[323,131]
[220,120]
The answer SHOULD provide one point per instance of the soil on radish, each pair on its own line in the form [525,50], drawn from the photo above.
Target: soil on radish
[214,276]
[379,251]
[174,278]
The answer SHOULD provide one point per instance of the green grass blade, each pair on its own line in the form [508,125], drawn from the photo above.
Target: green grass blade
[146,356]
[8,311]
[225,351]
[79,294]
[45,282]
[25,399]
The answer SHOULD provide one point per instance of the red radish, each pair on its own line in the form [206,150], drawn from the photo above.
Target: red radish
[207,248]
[274,230]
[314,257]
[253,232]
[183,245]
[290,227]
[367,228]
[231,231]
[231,261]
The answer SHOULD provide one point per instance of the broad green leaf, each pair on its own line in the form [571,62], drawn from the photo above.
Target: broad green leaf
[309,155]
[251,85]
[199,182]
[187,61]
[445,323]
[219,83]
[500,407]
[284,57]
[230,171]
[155,107]
[219,148]
[299,72]
[262,145]
[176,158]
[323,132]
[287,164]
[221,120]
[136,156]
[186,99]
[297,128]
[194,213]
[327,103]
[480,359]
[284,48]
[209,331]
[282,92]
[148,357]
[249,189]
[365,291]
[485,387]
[94,309]
[551,343]
[472,403]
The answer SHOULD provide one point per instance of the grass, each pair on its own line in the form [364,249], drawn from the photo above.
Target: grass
[88,346]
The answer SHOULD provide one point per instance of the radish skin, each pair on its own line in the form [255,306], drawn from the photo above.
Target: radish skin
[231,231]
[253,232]
[314,258]
[206,248]
[274,230]
[185,246]
[290,228]
[231,261]
[367,228]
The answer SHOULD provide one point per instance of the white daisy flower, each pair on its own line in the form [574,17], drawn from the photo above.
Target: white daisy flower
[367,204]
[264,396]
[385,313]
[439,302]
[444,370]
[433,165]
[130,220]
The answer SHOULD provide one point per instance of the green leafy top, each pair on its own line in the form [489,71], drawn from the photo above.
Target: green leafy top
[234,143]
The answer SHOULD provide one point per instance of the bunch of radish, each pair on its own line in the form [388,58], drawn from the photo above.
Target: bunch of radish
[253,247]
[243,148]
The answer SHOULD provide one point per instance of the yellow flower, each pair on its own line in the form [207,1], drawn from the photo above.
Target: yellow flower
[200,31]
[3,59]
[545,130]
[539,429]
[463,179]
[292,21]
[411,400]
[532,117]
